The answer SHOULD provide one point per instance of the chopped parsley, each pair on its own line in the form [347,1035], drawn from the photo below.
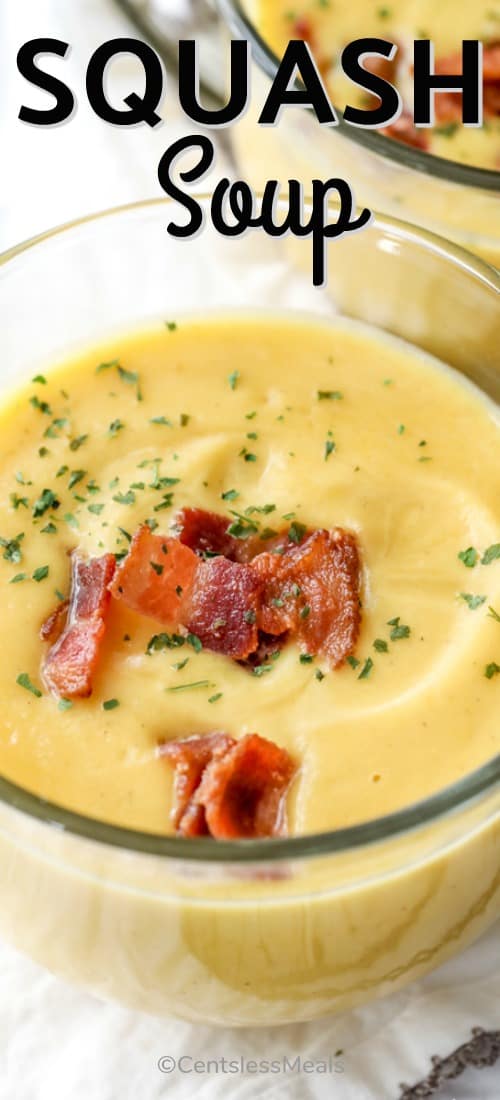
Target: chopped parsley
[215,698]
[171,326]
[296,532]
[161,420]
[115,427]
[399,630]
[194,642]
[191,687]
[41,573]
[492,614]
[110,704]
[24,681]
[491,554]
[250,616]
[472,602]
[42,406]
[76,443]
[329,448]
[125,498]
[18,502]
[491,670]
[40,378]
[48,499]
[329,395]
[12,548]
[75,477]
[469,557]
[233,379]
[380,645]
[18,577]
[365,671]
[319,675]
[64,704]
[165,641]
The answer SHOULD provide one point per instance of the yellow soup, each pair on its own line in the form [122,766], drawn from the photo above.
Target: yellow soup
[330,26]
[326,423]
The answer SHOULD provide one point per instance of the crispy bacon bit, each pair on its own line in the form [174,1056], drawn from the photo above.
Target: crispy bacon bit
[306,586]
[313,591]
[54,624]
[190,758]
[243,793]
[156,577]
[70,663]
[207,533]
[223,607]
[302,28]
[404,130]
[384,67]
[229,789]
[449,104]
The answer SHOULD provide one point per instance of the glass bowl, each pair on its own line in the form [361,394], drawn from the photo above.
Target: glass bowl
[455,200]
[247,932]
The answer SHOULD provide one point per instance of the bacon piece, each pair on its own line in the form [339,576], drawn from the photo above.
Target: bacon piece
[384,67]
[313,591]
[449,104]
[53,626]
[156,577]
[223,607]
[492,100]
[491,63]
[190,757]
[207,533]
[243,792]
[404,130]
[70,663]
[302,28]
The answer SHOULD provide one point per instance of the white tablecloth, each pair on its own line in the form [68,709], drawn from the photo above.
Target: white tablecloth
[57,1042]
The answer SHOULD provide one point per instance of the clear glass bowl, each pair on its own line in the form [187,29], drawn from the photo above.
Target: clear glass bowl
[248,932]
[455,200]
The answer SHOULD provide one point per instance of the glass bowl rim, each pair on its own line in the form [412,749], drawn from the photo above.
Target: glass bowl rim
[396,151]
[446,801]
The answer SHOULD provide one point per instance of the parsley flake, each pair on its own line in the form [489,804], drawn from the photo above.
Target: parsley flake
[24,681]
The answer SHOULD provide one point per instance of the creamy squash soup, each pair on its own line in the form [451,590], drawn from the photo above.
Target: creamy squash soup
[250,591]
[424,192]
[328,27]
[250,579]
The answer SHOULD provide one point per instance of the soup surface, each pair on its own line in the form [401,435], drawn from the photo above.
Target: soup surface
[329,26]
[280,421]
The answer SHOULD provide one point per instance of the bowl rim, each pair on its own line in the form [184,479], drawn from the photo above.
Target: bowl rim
[428,164]
[447,801]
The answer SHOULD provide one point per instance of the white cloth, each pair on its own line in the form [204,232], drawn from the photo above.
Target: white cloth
[57,1042]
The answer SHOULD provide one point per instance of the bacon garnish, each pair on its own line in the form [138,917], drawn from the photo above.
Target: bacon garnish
[156,577]
[404,130]
[305,587]
[223,607]
[70,664]
[313,591]
[207,533]
[230,789]
[53,626]
[449,104]
[190,757]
